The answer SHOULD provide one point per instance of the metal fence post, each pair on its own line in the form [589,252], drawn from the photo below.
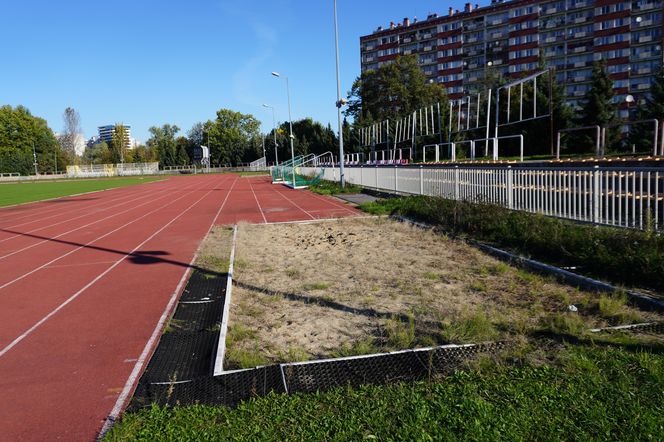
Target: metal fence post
[421,180]
[510,187]
[396,177]
[596,194]
[456,183]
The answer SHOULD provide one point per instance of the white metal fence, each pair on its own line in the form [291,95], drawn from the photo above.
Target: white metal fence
[624,197]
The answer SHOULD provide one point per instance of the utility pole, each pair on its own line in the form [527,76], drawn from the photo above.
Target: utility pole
[340,103]
[34,155]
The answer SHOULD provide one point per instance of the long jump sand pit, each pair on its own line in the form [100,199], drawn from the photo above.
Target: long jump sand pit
[358,286]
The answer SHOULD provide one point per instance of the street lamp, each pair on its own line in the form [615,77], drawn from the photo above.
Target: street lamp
[274,131]
[290,123]
[340,103]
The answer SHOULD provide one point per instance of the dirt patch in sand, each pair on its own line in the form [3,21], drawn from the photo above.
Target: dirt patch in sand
[356,286]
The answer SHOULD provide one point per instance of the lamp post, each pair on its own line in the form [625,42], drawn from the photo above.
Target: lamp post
[290,123]
[340,102]
[274,132]
[34,155]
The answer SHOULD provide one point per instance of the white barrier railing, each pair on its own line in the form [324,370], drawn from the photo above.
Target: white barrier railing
[622,197]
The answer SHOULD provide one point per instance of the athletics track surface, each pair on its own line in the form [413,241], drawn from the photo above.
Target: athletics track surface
[85,282]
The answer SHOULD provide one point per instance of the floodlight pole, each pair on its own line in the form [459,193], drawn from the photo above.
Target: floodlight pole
[274,132]
[340,102]
[34,155]
[290,124]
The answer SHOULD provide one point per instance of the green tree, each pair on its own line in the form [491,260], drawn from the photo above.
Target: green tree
[232,138]
[162,142]
[392,91]
[182,144]
[19,132]
[597,108]
[120,144]
[99,153]
[650,107]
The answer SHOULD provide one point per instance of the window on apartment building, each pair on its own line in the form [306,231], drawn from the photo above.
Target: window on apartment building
[617,68]
[554,51]
[646,51]
[636,84]
[496,19]
[577,3]
[579,16]
[450,65]
[578,60]
[610,24]
[522,67]
[580,31]
[553,7]
[645,67]
[619,84]
[528,24]
[608,9]
[647,35]
[524,53]
[523,11]
[522,39]
[610,39]
[449,26]
[609,55]
[646,4]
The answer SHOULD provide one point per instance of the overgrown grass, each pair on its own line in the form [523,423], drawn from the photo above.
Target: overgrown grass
[25,192]
[332,188]
[589,394]
[623,256]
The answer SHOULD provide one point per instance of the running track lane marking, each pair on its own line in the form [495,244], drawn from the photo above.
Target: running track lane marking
[257,203]
[78,228]
[25,275]
[93,282]
[7,229]
[292,202]
[149,346]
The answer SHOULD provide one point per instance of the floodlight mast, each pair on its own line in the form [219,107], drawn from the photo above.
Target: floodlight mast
[274,132]
[290,123]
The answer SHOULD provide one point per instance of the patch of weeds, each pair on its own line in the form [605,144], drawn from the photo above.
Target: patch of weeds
[292,273]
[331,188]
[327,298]
[238,333]
[614,308]
[499,269]
[214,263]
[268,270]
[215,328]
[316,286]
[470,328]
[174,325]
[399,334]
[528,278]
[381,207]
[479,286]
[294,354]
[245,358]
[241,264]
[570,323]
[364,346]
[431,276]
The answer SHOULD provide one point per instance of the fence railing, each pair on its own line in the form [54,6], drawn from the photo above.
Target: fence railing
[108,170]
[624,197]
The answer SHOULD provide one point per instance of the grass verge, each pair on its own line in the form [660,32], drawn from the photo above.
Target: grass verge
[18,193]
[623,256]
[587,393]
[332,188]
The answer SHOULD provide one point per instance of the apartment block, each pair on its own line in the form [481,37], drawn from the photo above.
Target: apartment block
[106,134]
[460,49]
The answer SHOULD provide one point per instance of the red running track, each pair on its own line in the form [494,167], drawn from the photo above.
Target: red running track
[87,282]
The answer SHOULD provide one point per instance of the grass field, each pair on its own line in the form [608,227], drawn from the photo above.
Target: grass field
[586,393]
[18,193]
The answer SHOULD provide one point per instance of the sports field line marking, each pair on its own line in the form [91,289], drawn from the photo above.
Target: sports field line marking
[78,228]
[149,346]
[25,275]
[53,312]
[292,202]
[257,203]
[73,195]
[92,212]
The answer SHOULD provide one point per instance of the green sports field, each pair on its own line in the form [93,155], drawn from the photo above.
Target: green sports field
[18,193]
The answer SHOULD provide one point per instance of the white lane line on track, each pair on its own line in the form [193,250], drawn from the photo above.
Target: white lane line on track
[257,203]
[2,219]
[14,252]
[292,202]
[125,201]
[53,312]
[25,275]
[149,346]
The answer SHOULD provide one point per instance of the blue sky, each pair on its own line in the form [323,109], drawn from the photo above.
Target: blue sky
[148,62]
